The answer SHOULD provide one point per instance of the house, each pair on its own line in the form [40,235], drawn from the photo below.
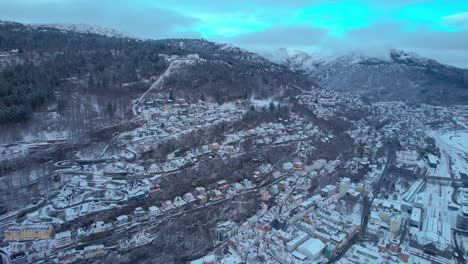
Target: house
[99,227]
[217,194]
[188,197]
[257,176]
[69,256]
[122,219]
[202,199]
[63,239]
[264,195]
[139,212]
[200,190]
[167,205]
[213,146]
[178,202]
[154,211]
[155,187]
[94,251]
[222,184]
[298,165]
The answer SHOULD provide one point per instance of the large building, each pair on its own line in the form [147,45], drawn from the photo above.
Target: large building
[226,230]
[312,248]
[93,251]
[30,232]
[327,190]
[343,186]
[395,223]
[416,217]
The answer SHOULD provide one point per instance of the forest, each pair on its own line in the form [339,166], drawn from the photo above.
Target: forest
[50,59]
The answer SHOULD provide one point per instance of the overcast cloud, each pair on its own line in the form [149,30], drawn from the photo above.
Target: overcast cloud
[433,28]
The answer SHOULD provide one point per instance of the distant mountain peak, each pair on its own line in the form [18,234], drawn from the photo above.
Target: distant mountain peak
[86,28]
[78,28]
[294,59]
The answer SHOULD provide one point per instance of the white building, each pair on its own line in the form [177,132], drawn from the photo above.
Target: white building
[154,211]
[395,223]
[312,248]
[122,219]
[343,186]
[416,217]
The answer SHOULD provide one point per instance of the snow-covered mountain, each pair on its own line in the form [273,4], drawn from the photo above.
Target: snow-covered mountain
[78,28]
[86,28]
[296,60]
[401,75]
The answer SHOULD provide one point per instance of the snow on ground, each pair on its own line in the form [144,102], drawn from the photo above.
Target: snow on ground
[265,103]
[454,148]
[457,140]
[438,195]
[174,66]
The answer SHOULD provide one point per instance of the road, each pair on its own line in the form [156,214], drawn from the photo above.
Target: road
[461,258]
[160,81]
[367,203]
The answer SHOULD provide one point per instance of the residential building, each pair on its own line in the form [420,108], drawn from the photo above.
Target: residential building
[29,232]
[154,211]
[226,230]
[94,251]
[63,239]
[416,217]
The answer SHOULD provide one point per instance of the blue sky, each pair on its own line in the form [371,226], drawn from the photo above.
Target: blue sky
[433,28]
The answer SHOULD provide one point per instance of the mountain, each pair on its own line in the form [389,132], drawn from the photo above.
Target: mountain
[85,28]
[404,76]
[112,70]
[296,60]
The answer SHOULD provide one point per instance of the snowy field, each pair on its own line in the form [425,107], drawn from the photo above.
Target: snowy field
[457,140]
[454,152]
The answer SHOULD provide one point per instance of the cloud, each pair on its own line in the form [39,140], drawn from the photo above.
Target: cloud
[457,20]
[139,20]
[376,40]
[394,35]
[434,28]
[284,35]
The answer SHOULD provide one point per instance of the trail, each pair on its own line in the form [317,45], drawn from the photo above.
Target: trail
[175,64]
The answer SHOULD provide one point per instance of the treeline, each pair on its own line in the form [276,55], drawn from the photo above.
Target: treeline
[102,64]
[117,66]
[23,89]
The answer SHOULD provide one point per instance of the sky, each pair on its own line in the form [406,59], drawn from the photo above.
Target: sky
[432,28]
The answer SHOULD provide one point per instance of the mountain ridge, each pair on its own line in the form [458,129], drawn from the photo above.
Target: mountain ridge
[403,76]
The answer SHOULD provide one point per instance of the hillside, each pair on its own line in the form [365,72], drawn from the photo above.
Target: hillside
[111,71]
[402,77]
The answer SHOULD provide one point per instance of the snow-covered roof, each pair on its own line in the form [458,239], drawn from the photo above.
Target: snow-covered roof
[416,214]
[311,246]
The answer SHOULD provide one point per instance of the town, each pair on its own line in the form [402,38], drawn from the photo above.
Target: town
[391,187]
